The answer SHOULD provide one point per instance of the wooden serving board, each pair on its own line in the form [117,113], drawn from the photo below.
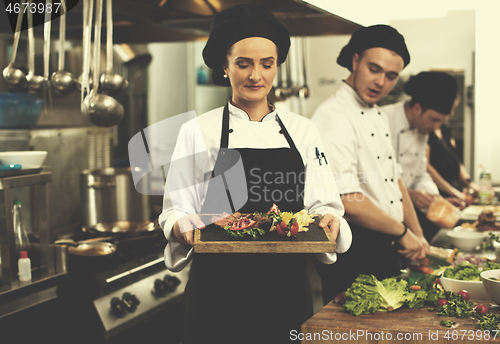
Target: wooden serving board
[331,325]
[213,239]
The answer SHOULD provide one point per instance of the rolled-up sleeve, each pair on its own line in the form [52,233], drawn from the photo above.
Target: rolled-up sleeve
[184,190]
[423,180]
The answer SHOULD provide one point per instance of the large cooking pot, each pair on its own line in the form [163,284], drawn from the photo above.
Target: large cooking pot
[109,195]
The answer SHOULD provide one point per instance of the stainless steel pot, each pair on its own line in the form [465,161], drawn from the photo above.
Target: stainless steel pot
[109,195]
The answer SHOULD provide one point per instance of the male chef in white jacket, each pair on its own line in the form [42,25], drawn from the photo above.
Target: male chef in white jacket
[359,148]
[433,95]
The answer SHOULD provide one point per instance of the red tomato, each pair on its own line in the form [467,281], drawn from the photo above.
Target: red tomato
[464,294]
[294,227]
[282,229]
[441,302]
[481,310]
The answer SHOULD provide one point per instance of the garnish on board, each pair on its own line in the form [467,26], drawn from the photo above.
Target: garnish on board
[257,224]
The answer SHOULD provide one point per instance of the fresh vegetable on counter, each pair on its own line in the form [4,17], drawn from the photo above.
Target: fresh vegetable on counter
[467,271]
[368,295]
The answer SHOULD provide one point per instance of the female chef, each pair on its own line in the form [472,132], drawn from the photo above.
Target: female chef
[247,298]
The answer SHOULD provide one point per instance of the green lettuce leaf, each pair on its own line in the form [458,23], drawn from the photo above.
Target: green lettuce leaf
[368,295]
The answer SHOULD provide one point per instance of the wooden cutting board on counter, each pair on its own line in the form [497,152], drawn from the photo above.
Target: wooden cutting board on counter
[213,239]
[403,325]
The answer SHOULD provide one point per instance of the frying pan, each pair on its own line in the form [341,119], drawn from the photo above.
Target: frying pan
[125,227]
[95,247]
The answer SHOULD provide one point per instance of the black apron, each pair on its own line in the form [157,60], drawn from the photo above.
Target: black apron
[251,298]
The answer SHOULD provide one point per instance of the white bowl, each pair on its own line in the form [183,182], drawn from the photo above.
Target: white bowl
[465,240]
[27,159]
[475,289]
[492,287]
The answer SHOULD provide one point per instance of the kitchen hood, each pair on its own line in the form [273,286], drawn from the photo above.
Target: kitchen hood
[144,21]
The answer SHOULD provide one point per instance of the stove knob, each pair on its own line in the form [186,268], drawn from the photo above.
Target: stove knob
[118,307]
[171,282]
[131,301]
[160,287]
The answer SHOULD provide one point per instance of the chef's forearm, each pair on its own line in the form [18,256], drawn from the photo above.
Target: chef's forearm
[410,216]
[360,210]
[464,176]
[441,183]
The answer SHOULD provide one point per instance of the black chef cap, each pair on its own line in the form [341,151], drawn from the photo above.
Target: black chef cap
[239,22]
[376,36]
[434,90]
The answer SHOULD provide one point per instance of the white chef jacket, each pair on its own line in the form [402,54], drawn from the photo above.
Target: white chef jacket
[410,147]
[358,144]
[203,133]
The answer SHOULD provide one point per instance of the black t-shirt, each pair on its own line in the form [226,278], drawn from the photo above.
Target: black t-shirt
[443,156]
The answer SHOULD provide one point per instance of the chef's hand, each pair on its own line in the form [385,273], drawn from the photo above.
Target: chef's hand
[332,222]
[414,247]
[184,228]
[421,199]
[456,202]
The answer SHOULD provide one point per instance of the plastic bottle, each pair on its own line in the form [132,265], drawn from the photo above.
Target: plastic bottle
[24,265]
[21,236]
[485,187]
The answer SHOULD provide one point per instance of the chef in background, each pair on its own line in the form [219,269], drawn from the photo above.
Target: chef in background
[433,95]
[444,164]
[255,297]
[358,141]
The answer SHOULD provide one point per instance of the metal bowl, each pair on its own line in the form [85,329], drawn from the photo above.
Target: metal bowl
[27,159]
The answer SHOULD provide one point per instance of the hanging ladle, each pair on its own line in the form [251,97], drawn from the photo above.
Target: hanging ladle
[102,110]
[84,82]
[111,83]
[47,95]
[35,82]
[304,90]
[15,77]
[62,81]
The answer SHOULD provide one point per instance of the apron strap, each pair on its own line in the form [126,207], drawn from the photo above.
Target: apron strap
[287,136]
[224,138]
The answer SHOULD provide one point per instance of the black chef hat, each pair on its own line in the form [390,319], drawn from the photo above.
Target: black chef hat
[239,22]
[376,36]
[434,90]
